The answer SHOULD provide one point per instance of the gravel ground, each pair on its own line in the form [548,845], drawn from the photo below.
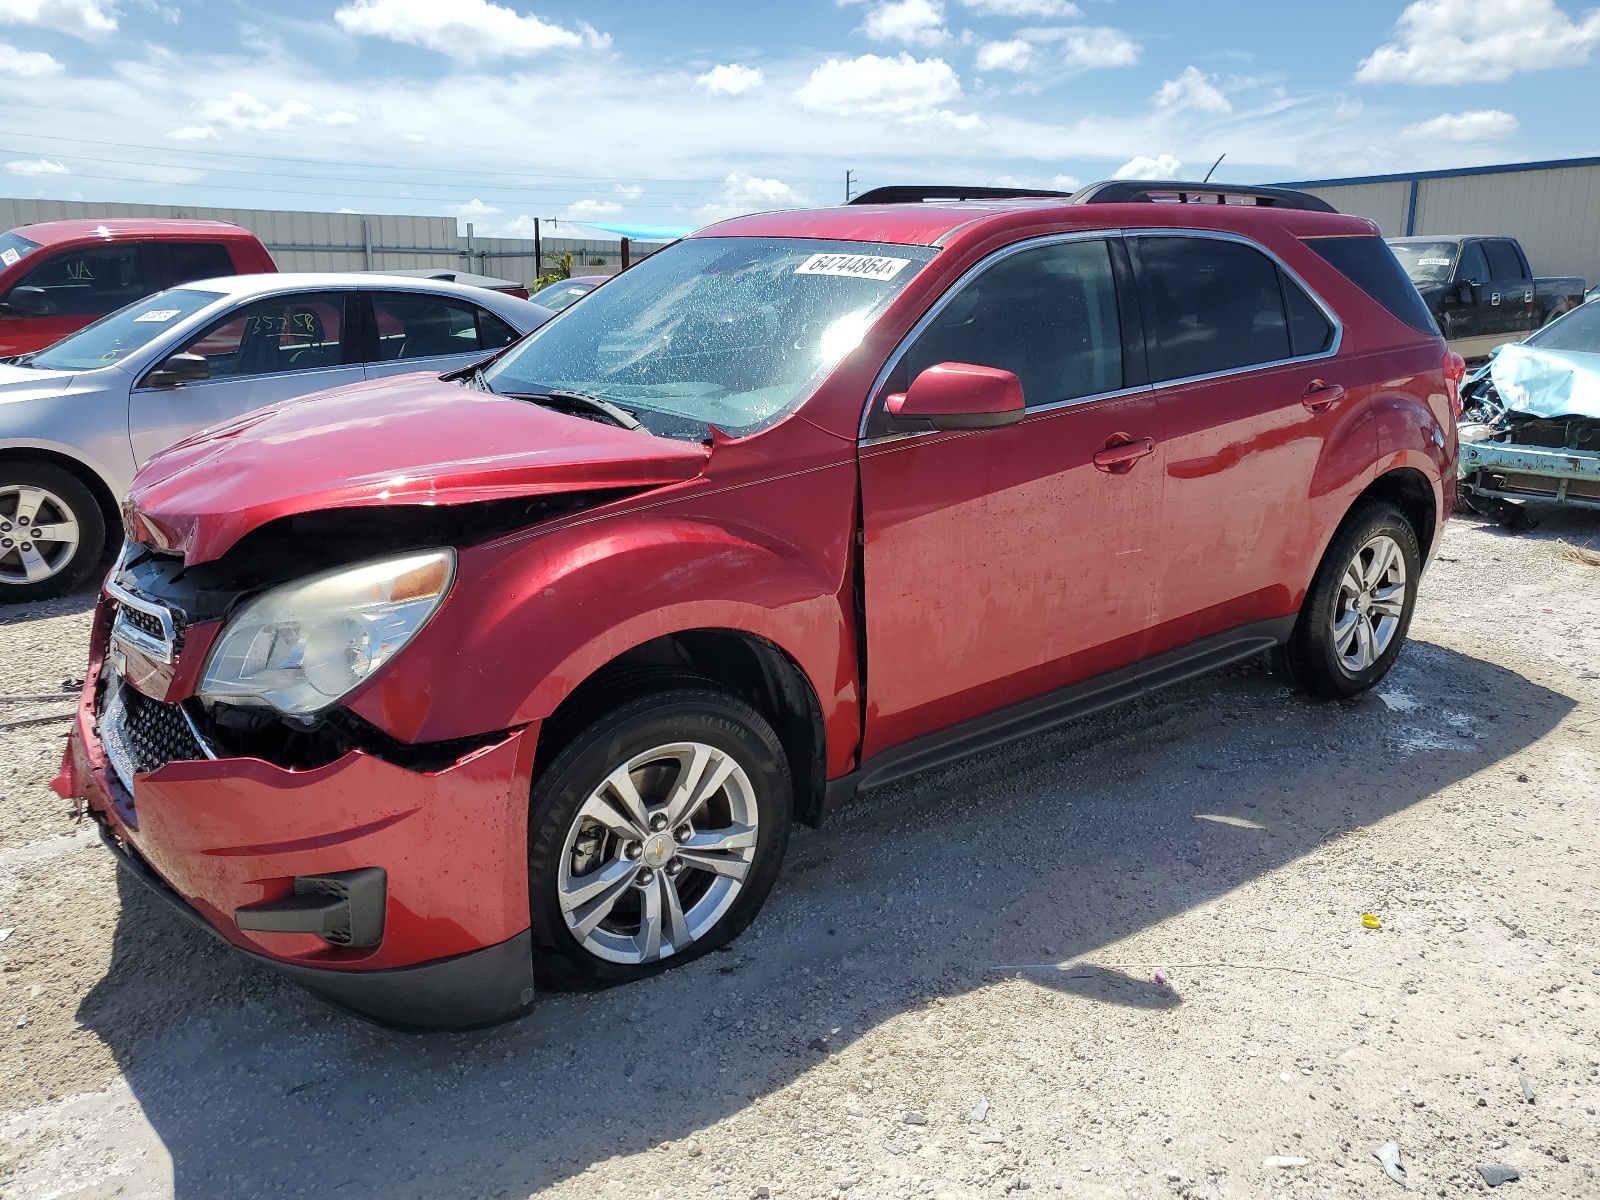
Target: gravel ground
[954,991]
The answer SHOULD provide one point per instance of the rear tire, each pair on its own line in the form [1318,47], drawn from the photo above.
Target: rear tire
[654,837]
[1355,617]
[42,497]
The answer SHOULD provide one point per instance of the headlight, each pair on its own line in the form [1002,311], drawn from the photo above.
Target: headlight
[302,646]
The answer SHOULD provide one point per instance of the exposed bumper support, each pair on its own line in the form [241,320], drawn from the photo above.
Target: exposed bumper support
[467,991]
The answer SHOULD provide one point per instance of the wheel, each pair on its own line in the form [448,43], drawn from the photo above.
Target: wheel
[1355,616]
[654,837]
[52,532]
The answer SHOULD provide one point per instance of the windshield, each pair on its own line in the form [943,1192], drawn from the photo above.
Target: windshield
[117,335]
[1577,332]
[1426,262]
[731,332]
[14,248]
[559,295]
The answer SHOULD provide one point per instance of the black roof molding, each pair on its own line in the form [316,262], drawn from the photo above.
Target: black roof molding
[1145,191]
[919,194]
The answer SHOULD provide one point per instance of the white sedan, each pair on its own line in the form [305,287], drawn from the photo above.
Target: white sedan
[78,419]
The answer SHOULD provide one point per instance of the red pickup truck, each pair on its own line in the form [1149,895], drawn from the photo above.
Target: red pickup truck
[58,276]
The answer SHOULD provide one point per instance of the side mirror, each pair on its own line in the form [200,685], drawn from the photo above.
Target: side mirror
[178,369]
[1467,292]
[957,395]
[26,302]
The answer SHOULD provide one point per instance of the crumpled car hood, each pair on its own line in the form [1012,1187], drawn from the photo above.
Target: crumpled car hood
[1547,383]
[408,440]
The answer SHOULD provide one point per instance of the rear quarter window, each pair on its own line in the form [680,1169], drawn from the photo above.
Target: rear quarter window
[1369,264]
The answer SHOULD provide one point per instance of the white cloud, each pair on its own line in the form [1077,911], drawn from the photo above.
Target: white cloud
[81,18]
[1088,48]
[1479,125]
[36,166]
[1015,55]
[472,208]
[1192,90]
[241,110]
[731,79]
[1065,183]
[872,85]
[1024,8]
[920,22]
[1480,41]
[1142,166]
[629,191]
[464,29]
[587,210]
[743,193]
[195,133]
[27,64]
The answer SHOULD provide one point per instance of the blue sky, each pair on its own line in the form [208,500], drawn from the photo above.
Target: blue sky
[498,112]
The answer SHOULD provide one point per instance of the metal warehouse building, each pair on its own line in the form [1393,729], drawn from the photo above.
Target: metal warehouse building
[1552,208]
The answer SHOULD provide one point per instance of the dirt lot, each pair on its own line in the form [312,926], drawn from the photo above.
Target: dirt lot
[953,991]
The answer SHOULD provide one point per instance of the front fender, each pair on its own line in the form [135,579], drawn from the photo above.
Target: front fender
[530,618]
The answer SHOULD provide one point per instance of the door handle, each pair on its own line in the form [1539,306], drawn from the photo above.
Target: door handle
[1319,397]
[1121,451]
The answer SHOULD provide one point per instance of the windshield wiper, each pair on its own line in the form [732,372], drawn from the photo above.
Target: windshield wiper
[580,402]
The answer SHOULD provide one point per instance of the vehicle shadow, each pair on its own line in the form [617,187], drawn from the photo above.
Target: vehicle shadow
[1049,850]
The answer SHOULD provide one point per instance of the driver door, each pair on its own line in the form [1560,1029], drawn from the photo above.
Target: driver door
[261,353]
[1001,564]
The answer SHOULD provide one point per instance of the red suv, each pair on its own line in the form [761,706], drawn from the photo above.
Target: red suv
[429,691]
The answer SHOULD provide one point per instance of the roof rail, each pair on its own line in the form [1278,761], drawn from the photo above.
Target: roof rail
[1144,191]
[918,194]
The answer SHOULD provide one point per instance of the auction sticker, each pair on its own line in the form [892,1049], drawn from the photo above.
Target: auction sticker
[158,314]
[852,266]
[9,256]
[1434,262]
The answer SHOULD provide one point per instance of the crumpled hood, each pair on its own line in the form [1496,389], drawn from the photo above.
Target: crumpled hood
[407,440]
[1547,383]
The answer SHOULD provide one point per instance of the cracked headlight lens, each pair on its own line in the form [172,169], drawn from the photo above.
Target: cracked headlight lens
[302,646]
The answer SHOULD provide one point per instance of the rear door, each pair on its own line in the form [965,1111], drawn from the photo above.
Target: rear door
[262,352]
[1249,391]
[1510,312]
[1001,564]
[424,331]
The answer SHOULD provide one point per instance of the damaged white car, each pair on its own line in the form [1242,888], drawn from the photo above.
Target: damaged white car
[1530,425]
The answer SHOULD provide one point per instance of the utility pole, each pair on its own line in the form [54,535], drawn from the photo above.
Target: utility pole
[538,251]
[849,187]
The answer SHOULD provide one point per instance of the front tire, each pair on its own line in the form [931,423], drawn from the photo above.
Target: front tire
[52,532]
[654,837]
[1355,617]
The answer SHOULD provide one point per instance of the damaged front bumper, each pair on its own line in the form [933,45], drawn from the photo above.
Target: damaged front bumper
[398,893]
[1509,471]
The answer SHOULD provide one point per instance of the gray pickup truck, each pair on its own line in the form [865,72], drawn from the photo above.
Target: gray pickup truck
[1481,289]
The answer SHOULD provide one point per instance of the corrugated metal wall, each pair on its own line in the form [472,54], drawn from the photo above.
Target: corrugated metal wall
[1553,211]
[318,241]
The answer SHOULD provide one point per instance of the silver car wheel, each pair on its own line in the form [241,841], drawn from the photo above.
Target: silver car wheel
[658,853]
[38,534]
[1370,603]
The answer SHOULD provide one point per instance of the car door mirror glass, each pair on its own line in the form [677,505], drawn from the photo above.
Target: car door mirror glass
[956,395]
[179,369]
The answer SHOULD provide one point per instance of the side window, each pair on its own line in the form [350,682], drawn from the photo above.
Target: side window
[493,332]
[1048,315]
[284,333]
[94,280]
[415,325]
[1503,261]
[1211,305]
[188,261]
[1310,331]
[1473,267]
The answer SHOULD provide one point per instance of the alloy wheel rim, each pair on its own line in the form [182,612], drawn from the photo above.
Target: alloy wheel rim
[1370,603]
[38,534]
[658,853]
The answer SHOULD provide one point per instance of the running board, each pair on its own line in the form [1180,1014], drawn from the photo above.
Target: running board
[1055,708]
